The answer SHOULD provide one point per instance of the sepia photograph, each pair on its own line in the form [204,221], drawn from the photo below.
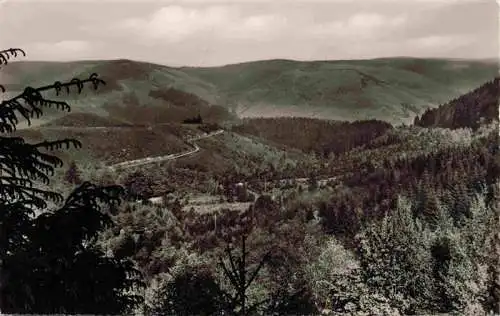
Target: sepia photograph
[250,157]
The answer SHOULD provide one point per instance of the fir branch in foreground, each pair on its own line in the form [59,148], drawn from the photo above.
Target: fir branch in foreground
[34,100]
[7,53]
[22,163]
[5,56]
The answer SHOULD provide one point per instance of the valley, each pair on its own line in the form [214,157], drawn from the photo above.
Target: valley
[250,158]
[370,183]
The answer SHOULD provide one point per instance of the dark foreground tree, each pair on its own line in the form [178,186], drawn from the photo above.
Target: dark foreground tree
[48,263]
[191,293]
[240,278]
[198,293]
[61,269]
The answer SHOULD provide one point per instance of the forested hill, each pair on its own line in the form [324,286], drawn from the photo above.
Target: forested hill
[390,89]
[314,135]
[465,111]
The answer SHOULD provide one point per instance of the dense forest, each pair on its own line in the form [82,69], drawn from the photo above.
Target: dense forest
[409,226]
[407,222]
[413,210]
[469,110]
[314,135]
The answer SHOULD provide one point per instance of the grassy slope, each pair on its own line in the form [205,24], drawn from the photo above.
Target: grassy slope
[84,119]
[116,145]
[393,89]
[134,91]
[222,155]
[231,151]
[390,89]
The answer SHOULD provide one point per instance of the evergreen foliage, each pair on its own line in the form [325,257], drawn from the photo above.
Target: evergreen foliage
[48,260]
[408,223]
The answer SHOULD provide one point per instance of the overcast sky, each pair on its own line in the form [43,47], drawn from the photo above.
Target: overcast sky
[210,32]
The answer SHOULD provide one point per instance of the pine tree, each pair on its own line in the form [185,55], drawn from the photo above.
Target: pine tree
[48,263]
[241,278]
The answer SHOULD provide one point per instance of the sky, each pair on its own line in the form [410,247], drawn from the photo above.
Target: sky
[215,32]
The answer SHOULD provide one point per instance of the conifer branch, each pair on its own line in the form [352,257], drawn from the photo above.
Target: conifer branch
[34,101]
[5,54]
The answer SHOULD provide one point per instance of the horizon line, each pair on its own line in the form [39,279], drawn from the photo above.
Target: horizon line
[485,59]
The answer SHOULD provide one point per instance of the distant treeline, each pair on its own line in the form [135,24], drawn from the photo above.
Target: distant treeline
[195,120]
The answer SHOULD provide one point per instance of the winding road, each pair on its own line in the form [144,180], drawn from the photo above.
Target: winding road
[148,160]
[191,141]
[141,161]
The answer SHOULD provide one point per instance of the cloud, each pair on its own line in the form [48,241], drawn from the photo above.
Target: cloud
[60,50]
[261,27]
[75,46]
[360,25]
[435,41]
[214,32]
[374,20]
[175,23]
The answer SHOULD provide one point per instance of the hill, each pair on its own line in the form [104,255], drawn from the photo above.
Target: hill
[391,89]
[405,204]
[406,222]
[135,92]
[314,135]
[469,110]
[476,108]
[114,144]
[82,119]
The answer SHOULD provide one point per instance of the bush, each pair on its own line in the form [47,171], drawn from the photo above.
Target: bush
[396,261]
[190,293]
[429,268]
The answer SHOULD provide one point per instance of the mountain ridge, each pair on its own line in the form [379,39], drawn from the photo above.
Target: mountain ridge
[391,89]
